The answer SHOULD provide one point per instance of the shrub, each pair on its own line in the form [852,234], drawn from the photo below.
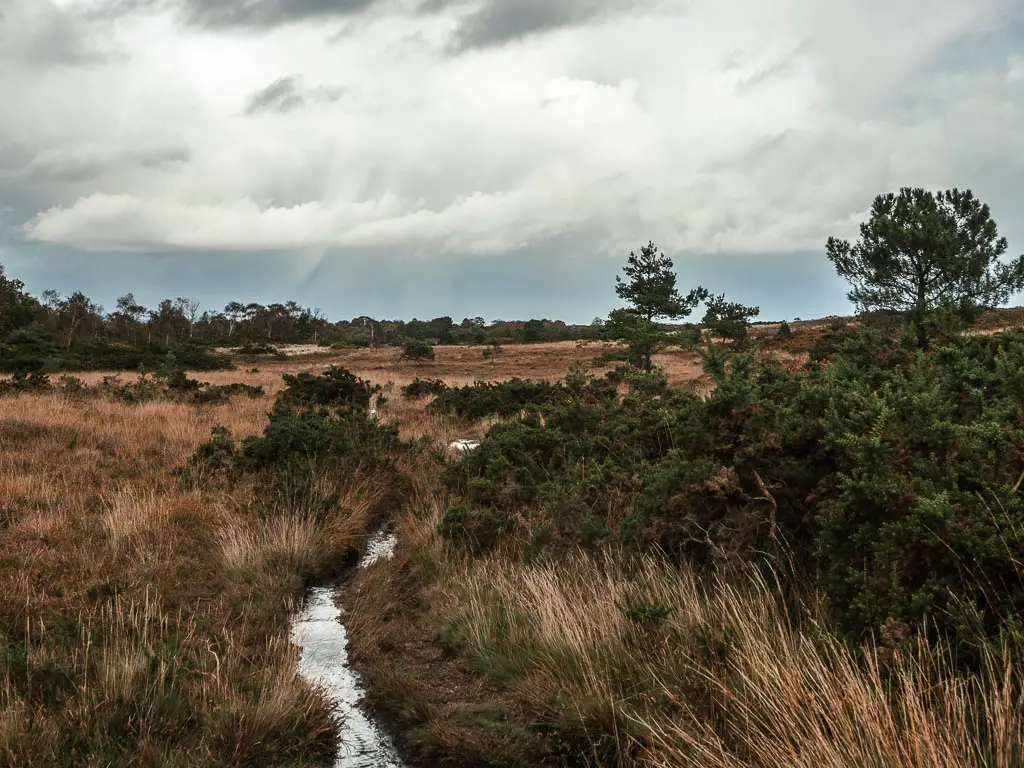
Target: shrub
[336,387]
[478,530]
[99,355]
[417,349]
[34,381]
[888,477]
[419,388]
[491,351]
[505,399]
[785,332]
[221,394]
[305,442]
[72,386]
[31,348]
[256,350]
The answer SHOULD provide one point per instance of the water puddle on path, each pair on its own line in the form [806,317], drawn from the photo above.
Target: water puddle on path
[319,631]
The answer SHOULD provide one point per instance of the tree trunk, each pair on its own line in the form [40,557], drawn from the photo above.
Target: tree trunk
[922,334]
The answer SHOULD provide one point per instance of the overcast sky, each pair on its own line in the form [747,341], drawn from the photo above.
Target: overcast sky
[404,158]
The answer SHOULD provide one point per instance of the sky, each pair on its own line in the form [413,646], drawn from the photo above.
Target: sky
[494,158]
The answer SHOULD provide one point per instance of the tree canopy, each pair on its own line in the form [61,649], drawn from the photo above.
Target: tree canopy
[650,287]
[922,254]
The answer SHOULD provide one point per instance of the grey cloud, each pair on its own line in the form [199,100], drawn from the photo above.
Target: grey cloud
[287,94]
[264,14]
[282,95]
[45,35]
[784,65]
[488,23]
[498,22]
[78,164]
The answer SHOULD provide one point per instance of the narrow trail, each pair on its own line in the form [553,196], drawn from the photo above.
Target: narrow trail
[318,629]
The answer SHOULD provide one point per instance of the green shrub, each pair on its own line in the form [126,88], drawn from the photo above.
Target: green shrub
[478,530]
[506,398]
[420,388]
[417,349]
[32,348]
[337,387]
[306,436]
[305,443]
[34,381]
[257,350]
[221,394]
[97,355]
[888,478]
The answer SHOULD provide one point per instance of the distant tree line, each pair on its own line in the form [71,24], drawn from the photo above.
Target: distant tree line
[56,332]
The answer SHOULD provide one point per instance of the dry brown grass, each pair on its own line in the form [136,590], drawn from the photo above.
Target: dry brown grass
[110,559]
[773,695]
[144,622]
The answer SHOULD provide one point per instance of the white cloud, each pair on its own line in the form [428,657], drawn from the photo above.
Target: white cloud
[719,126]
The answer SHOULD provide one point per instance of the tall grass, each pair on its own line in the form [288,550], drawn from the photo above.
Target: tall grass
[634,662]
[143,622]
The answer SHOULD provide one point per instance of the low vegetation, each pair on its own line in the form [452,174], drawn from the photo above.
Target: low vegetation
[147,584]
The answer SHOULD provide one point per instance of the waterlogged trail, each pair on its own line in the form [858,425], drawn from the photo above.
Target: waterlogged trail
[319,630]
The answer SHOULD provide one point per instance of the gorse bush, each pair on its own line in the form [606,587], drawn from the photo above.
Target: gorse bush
[417,349]
[506,398]
[257,350]
[35,381]
[168,384]
[34,348]
[336,387]
[420,388]
[319,426]
[889,477]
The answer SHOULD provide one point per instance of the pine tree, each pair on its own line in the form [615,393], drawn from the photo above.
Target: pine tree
[924,255]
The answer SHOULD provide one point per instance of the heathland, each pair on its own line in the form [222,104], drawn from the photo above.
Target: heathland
[723,544]
[638,578]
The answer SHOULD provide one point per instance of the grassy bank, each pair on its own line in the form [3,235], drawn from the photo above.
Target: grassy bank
[617,661]
[143,619]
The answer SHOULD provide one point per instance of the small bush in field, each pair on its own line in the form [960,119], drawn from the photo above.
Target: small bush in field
[785,332]
[254,350]
[506,398]
[304,438]
[479,530]
[492,350]
[34,381]
[417,349]
[420,388]
[337,387]
[221,394]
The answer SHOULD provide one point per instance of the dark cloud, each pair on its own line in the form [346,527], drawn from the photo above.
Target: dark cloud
[497,22]
[485,24]
[287,94]
[282,95]
[264,14]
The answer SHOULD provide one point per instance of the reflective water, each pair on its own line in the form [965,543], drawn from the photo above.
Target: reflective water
[319,630]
